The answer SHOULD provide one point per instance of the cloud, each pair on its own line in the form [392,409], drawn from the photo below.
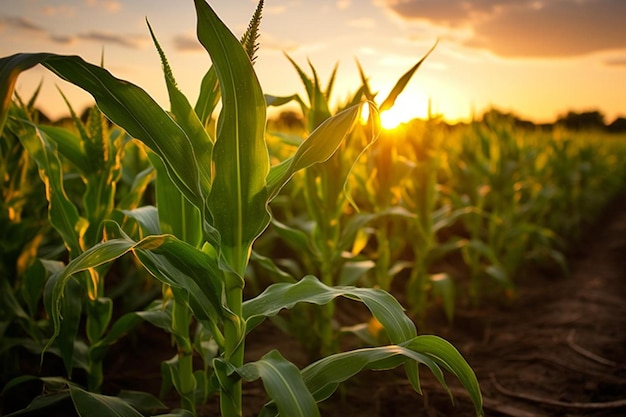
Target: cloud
[111,6]
[19,23]
[128,41]
[59,11]
[526,28]
[18,26]
[616,62]
[187,43]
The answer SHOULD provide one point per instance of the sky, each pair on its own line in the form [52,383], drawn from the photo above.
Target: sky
[537,59]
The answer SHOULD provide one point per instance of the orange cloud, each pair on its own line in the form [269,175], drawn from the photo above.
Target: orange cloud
[527,28]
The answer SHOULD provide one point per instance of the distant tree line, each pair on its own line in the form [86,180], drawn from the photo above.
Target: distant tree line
[586,120]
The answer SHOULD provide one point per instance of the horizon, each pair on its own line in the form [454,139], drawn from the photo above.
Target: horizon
[537,60]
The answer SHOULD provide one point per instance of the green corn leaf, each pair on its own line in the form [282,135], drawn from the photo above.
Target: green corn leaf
[449,357]
[71,307]
[278,101]
[157,314]
[89,404]
[318,147]
[62,213]
[122,102]
[309,289]
[331,82]
[134,197]
[69,146]
[365,86]
[148,219]
[209,96]
[283,383]
[167,258]
[10,69]
[176,214]
[323,377]
[238,198]
[402,82]
[293,237]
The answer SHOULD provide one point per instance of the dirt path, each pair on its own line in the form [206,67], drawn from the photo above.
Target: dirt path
[558,350]
[561,350]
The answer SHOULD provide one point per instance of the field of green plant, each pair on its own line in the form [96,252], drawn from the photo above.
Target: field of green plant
[203,220]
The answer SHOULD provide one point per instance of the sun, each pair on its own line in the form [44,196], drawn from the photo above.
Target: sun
[406,108]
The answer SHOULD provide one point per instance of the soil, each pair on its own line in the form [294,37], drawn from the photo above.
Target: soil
[557,349]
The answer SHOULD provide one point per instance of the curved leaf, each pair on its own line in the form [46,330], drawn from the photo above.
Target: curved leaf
[283,383]
[323,377]
[62,212]
[89,404]
[449,357]
[309,289]
[318,147]
[167,258]
[126,104]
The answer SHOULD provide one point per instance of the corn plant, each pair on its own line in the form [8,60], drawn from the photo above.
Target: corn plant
[320,233]
[220,185]
[92,155]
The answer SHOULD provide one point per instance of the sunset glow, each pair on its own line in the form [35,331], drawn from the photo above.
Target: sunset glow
[530,58]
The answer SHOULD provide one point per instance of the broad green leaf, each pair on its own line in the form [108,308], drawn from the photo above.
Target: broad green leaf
[99,315]
[295,238]
[68,145]
[134,197]
[176,214]
[62,213]
[167,258]
[283,384]
[41,403]
[141,401]
[238,198]
[209,96]
[89,404]
[10,69]
[449,357]
[269,265]
[309,289]
[352,271]
[147,217]
[323,377]
[123,103]
[318,147]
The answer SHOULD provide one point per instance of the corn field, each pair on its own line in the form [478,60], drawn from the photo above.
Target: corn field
[205,220]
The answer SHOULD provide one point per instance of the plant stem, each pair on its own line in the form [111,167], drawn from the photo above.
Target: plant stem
[231,394]
[327,315]
[181,319]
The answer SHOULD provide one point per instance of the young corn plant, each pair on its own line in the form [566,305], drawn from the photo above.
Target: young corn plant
[322,235]
[387,170]
[223,184]
[92,153]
